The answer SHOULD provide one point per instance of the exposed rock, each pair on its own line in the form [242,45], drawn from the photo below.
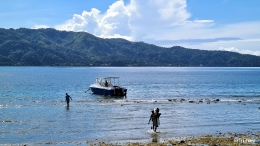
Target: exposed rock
[182,100]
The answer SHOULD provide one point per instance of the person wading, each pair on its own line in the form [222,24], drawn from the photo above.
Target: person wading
[68,98]
[155,119]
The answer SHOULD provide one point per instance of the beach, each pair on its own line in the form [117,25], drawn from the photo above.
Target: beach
[205,140]
[218,139]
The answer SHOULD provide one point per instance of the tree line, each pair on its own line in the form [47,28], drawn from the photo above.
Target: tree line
[50,47]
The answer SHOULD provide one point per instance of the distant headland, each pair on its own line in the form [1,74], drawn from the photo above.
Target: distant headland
[50,47]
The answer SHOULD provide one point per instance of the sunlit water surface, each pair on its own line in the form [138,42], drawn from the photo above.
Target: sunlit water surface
[33,109]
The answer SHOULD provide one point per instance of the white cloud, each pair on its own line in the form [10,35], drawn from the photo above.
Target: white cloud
[87,21]
[233,49]
[204,21]
[40,26]
[112,24]
[135,21]
[154,21]
[150,18]
[115,22]
[247,46]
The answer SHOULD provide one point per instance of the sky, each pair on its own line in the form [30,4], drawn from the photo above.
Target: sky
[230,25]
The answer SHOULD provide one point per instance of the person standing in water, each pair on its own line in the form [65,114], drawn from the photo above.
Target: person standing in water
[157,115]
[68,98]
[155,119]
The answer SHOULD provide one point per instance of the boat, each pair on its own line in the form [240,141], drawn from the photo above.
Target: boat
[108,86]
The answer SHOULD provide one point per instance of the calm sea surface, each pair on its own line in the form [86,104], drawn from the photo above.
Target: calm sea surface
[33,109]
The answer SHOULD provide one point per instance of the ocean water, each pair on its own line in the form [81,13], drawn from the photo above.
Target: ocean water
[33,109]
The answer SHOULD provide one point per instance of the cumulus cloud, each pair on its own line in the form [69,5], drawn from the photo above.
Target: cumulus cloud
[151,18]
[115,22]
[138,21]
[112,24]
[87,21]
[135,21]
[164,23]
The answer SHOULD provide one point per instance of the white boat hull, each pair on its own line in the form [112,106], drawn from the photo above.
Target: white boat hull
[108,91]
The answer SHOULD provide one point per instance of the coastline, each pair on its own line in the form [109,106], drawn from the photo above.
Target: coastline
[234,139]
[218,139]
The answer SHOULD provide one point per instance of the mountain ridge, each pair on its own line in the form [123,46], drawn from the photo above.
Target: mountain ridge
[50,47]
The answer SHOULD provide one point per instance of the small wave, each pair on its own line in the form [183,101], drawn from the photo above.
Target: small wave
[3,106]
[8,121]
[123,118]
[38,101]
[245,123]
[140,101]
[153,132]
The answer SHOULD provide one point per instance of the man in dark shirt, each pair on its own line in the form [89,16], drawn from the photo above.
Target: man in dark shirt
[68,98]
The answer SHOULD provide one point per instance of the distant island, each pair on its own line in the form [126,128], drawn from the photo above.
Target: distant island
[50,47]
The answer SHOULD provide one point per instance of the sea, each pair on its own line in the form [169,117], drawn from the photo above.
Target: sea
[192,101]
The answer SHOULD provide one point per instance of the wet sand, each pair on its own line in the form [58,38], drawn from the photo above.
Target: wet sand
[219,139]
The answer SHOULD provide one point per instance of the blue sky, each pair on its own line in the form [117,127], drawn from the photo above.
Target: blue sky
[231,25]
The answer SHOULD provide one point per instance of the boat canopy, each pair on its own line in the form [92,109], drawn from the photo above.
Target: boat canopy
[110,80]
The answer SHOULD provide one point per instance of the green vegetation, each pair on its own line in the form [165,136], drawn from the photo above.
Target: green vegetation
[50,47]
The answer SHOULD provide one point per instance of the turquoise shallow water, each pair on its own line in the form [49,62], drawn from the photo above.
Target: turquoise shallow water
[33,109]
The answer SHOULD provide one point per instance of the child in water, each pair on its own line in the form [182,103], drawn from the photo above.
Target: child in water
[155,118]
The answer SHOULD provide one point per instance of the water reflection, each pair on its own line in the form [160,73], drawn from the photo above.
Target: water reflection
[155,138]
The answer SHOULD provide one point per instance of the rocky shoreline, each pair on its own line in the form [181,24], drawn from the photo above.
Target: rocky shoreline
[219,139]
[186,100]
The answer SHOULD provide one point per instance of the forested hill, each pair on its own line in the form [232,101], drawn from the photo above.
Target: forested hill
[50,47]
